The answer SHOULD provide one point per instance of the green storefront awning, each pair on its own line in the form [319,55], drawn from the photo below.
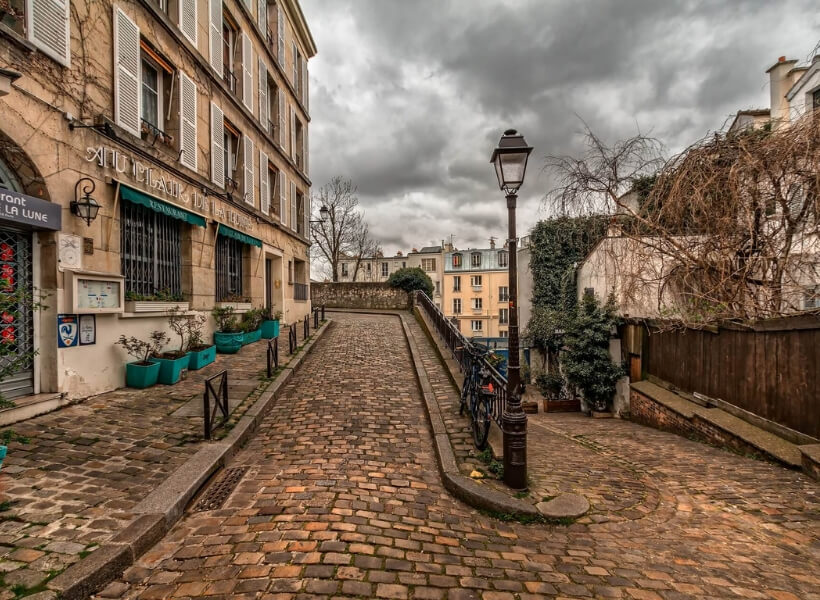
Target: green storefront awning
[143,199]
[239,236]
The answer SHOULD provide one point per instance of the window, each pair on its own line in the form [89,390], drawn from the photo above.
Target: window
[344,270]
[457,260]
[456,306]
[229,37]
[478,303]
[477,325]
[503,316]
[273,190]
[457,283]
[428,264]
[231,148]
[502,333]
[290,271]
[438,287]
[475,281]
[475,259]
[403,264]
[228,268]
[811,298]
[503,259]
[368,268]
[815,100]
[385,269]
[151,94]
[150,251]
[46,25]
[503,293]
[589,292]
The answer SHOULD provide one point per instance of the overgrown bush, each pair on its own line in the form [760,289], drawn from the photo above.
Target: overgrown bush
[411,279]
[586,361]
[226,319]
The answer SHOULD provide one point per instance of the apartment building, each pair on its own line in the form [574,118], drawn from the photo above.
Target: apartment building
[371,269]
[475,291]
[430,259]
[152,152]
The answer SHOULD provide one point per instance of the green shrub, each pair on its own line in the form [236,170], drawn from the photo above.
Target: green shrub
[411,279]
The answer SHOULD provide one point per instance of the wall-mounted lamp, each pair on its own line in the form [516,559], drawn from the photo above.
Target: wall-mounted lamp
[86,207]
[324,213]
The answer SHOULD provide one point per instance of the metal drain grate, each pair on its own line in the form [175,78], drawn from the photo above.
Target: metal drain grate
[219,491]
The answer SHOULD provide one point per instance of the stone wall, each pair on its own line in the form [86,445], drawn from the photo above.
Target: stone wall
[378,296]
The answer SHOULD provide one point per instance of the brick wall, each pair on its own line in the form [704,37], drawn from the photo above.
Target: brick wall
[378,296]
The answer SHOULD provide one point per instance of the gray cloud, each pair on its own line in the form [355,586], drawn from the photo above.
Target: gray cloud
[409,98]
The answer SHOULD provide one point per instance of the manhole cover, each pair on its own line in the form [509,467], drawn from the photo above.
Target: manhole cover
[216,494]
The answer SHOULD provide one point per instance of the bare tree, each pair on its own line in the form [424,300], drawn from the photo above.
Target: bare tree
[727,229]
[345,233]
[362,245]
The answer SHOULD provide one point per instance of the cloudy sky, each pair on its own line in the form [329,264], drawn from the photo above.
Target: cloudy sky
[409,97]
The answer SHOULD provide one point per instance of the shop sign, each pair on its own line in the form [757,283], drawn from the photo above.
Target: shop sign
[28,210]
[68,330]
[162,185]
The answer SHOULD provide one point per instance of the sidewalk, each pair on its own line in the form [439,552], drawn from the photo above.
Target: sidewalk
[74,485]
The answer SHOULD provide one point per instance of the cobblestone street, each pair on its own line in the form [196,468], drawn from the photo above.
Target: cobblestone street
[342,497]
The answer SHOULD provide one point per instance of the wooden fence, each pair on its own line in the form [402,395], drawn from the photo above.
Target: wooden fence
[772,371]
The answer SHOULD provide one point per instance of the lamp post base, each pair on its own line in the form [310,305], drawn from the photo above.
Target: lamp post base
[514,428]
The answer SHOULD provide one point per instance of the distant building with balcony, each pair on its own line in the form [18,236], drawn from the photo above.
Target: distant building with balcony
[475,291]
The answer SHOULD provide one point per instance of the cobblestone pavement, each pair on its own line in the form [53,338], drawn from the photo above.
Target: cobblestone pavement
[342,498]
[87,465]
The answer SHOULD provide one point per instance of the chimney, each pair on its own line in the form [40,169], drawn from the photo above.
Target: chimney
[780,81]
[492,243]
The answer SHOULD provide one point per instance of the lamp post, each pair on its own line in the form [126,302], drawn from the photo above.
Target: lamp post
[323,215]
[510,160]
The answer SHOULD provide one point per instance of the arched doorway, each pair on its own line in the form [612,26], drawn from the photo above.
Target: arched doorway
[16,322]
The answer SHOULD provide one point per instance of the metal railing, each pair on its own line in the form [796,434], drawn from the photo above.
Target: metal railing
[273,356]
[230,78]
[306,328]
[316,318]
[219,395]
[292,341]
[459,347]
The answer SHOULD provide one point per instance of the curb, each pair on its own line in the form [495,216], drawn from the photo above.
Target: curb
[162,508]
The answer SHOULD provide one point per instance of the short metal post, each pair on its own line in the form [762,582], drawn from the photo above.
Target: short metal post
[323,312]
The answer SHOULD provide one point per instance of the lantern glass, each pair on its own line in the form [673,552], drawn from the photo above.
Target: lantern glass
[510,160]
[324,213]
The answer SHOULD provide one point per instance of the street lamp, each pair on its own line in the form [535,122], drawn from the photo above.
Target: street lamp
[86,207]
[324,213]
[510,160]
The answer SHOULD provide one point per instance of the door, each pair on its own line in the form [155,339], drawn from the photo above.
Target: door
[16,323]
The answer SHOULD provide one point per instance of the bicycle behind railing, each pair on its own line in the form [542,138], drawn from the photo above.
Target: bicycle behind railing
[459,347]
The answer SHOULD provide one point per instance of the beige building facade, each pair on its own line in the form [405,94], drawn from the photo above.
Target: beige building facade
[475,291]
[186,121]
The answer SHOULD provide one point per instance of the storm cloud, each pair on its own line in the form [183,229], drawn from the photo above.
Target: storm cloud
[408,98]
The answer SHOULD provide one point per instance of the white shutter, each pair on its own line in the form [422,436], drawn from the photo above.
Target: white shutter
[281,119]
[282,185]
[292,132]
[263,96]
[306,214]
[48,28]
[215,35]
[304,83]
[247,71]
[295,72]
[187,118]
[249,5]
[247,160]
[293,206]
[188,22]
[217,146]
[280,34]
[264,183]
[305,148]
[127,72]
[262,16]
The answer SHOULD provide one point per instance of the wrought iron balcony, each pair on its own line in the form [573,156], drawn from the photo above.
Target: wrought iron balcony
[229,78]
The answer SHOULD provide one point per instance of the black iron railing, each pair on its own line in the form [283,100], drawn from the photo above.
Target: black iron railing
[229,78]
[273,356]
[315,318]
[460,349]
[292,341]
[216,393]
[306,327]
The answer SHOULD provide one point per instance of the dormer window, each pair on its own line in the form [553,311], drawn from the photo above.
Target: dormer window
[815,99]
[456,260]
[475,259]
[503,258]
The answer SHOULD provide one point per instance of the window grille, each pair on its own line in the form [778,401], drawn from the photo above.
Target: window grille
[150,251]
[228,268]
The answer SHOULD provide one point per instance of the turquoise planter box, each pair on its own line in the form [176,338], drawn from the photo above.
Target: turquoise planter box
[251,337]
[141,376]
[202,358]
[228,343]
[3,450]
[270,329]
[170,369]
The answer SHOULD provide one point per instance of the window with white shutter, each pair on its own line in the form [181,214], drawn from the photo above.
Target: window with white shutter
[48,28]
[217,146]
[304,89]
[280,34]
[187,120]
[292,132]
[247,160]
[305,149]
[188,19]
[306,215]
[126,73]
[282,120]
[215,35]
[293,218]
[282,185]
[264,183]
[262,16]
[295,73]
[263,95]
[247,71]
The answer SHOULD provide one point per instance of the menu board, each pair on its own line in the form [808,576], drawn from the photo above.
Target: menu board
[98,294]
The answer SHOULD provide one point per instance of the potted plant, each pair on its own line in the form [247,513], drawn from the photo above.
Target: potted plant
[228,335]
[270,323]
[173,363]
[144,371]
[200,354]
[251,322]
